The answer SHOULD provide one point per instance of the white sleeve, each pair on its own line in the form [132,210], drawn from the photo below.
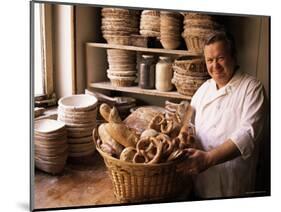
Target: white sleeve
[197,99]
[252,120]
[194,104]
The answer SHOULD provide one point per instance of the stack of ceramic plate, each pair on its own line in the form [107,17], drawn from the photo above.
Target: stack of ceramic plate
[170,29]
[79,112]
[197,27]
[51,147]
[122,67]
[118,24]
[150,23]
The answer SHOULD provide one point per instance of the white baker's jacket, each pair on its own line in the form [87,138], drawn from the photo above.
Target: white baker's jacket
[233,112]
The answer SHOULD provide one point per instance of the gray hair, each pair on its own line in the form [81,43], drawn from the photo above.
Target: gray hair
[225,37]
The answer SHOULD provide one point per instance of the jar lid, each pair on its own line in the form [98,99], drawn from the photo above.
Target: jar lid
[147,56]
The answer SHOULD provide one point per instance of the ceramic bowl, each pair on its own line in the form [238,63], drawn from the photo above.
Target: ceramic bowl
[82,153]
[51,152]
[77,114]
[80,140]
[73,148]
[47,126]
[79,102]
[49,167]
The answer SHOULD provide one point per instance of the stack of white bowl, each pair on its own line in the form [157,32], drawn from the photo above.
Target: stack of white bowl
[118,24]
[79,112]
[122,67]
[150,23]
[50,144]
[170,29]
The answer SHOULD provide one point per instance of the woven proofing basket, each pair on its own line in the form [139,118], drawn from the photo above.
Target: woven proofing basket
[191,67]
[194,43]
[142,182]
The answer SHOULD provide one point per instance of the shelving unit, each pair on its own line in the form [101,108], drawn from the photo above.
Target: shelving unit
[101,82]
[144,49]
[136,89]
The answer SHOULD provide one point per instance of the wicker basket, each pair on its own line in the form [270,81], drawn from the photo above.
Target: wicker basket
[191,67]
[139,40]
[114,12]
[195,38]
[121,73]
[201,23]
[170,43]
[194,43]
[187,85]
[142,182]
[150,13]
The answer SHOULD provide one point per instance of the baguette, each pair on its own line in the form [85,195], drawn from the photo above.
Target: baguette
[110,114]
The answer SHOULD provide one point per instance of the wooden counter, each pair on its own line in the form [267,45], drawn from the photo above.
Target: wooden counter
[82,183]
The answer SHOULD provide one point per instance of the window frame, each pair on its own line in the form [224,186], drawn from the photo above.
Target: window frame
[47,49]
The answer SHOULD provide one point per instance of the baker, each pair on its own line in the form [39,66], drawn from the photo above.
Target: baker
[229,110]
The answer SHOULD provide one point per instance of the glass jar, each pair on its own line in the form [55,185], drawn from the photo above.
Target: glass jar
[147,72]
[164,74]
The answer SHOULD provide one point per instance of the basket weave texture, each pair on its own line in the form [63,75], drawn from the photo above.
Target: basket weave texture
[142,182]
[191,67]
[195,43]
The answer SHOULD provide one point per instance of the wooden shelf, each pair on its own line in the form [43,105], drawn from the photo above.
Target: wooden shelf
[143,49]
[136,89]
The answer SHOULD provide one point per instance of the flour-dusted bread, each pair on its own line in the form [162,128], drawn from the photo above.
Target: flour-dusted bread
[110,114]
[113,147]
[141,117]
[122,134]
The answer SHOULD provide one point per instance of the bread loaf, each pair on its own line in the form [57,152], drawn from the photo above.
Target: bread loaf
[140,118]
[110,114]
[128,154]
[122,134]
[107,139]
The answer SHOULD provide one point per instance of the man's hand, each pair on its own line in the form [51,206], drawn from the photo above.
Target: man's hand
[198,160]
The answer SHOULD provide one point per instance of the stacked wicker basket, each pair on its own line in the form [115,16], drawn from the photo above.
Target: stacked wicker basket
[150,23]
[118,24]
[189,75]
[78,112]
[51,148]
[170,29]
[197,27]
[122,67]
